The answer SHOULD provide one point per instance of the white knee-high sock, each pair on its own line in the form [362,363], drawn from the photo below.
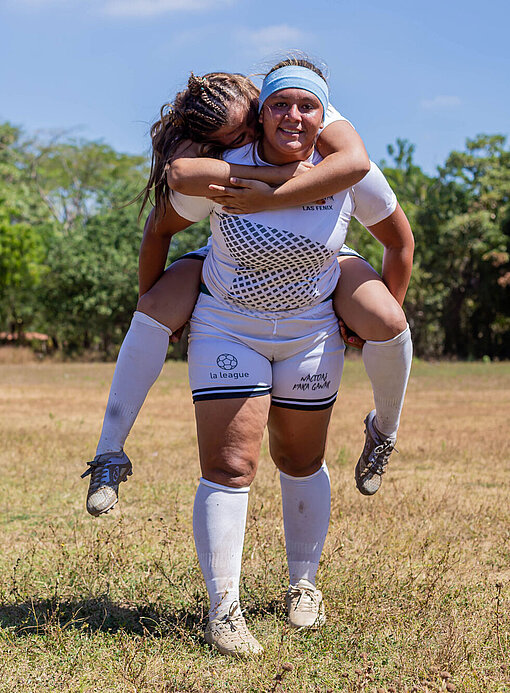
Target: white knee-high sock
[219,522]
[306,503]
[141,358]
[388,365]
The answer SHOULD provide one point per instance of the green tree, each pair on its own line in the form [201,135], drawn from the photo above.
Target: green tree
[25,230]
[473,252]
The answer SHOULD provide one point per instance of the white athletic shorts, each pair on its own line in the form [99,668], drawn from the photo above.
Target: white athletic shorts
[297,359]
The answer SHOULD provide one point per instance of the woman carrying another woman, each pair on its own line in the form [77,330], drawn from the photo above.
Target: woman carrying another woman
[262,331]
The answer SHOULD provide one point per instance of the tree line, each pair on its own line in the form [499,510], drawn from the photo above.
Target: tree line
[69,241]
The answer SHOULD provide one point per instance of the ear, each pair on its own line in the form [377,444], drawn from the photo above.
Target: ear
[261,115]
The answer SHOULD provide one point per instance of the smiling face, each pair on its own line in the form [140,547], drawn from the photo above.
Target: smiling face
[291,119]
[239,129]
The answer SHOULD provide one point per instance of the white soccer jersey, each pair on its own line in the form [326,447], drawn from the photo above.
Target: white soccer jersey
[331,116]
[281,262]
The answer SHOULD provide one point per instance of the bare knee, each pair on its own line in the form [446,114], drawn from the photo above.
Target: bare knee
[235,470]
[385,321]
[150,304]
[147,304]
[292,463]
[392,322]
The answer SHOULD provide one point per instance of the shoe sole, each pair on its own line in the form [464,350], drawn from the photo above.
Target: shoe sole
[359,484]
[318,623]
[97,513]
[357,476]
[230,653]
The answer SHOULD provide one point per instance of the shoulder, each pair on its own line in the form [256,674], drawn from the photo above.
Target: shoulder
[374,200]
[333,116]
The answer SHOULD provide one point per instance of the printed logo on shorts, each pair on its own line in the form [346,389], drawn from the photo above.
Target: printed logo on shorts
[227,362]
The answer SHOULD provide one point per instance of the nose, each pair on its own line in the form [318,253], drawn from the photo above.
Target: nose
[293,112]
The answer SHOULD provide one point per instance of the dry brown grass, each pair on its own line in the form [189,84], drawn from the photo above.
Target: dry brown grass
[416,579]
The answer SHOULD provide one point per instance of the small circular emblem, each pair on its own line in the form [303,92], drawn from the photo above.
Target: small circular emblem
[227,362]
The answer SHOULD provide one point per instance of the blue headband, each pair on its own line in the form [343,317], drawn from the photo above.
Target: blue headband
[294,77]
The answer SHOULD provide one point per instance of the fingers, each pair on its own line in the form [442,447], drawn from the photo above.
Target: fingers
[241,182]
[176,335]
[350,338]
[355,342]
[233,210]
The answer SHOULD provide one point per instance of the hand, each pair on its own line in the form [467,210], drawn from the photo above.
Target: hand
[294,169]
[242,196]
[350,338]
[177,334]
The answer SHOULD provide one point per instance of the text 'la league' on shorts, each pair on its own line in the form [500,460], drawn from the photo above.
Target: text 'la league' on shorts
[297,359]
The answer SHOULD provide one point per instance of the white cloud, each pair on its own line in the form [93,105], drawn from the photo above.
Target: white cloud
[274,38]
[441,103]
[151,8]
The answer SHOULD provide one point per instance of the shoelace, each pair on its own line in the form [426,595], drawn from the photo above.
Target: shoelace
[379,457]
[98,470]
[232,616]
[301,592]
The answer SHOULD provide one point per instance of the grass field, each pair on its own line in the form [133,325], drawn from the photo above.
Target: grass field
[416,579]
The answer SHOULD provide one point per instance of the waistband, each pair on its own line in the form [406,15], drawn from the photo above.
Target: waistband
[205,290]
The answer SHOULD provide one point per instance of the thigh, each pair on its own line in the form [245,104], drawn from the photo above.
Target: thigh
[172,299]
[309,379]
[221,365]
[297,439]
[231,386]
[229,436]
[363,301]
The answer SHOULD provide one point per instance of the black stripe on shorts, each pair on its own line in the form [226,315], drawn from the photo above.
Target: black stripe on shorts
[209,393]
[304,404]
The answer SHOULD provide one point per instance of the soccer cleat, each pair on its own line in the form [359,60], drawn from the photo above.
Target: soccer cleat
[229,634]
[107,471]
[305,607]
[374,458]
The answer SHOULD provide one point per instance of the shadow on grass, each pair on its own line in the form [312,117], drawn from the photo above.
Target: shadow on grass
[102,615]
[96,615]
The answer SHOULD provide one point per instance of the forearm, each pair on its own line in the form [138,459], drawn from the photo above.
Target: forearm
[155,244]
[334,173]
[192,176]
[396,271]
[395,234]
[151,260]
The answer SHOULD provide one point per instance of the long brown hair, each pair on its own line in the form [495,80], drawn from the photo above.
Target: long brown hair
[196,114]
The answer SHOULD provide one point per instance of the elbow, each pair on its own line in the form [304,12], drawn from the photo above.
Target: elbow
[363,164]
[360,166]
[175,176]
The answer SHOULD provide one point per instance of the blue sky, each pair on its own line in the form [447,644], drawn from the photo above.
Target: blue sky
[434,73]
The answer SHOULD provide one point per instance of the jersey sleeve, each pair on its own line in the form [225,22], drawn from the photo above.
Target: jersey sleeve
[374,200]
[332,116]
[191,208]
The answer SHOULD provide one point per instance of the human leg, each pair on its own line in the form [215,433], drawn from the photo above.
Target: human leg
[298,427]
[297,444]
[365,304]
[230,383]
[139,363]
[229,436]
[172,299]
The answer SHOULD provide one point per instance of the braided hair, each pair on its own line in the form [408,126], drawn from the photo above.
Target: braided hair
[196,114]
